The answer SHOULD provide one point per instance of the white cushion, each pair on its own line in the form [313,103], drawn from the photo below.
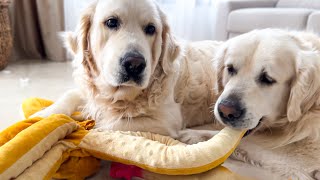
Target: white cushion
[314,22]
[311,4]
[233,34]
[245,20]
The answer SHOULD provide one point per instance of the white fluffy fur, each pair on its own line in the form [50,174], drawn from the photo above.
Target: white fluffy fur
[287,141]
[177,91]
[180,78]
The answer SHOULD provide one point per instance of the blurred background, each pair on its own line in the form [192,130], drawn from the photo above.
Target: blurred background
[33,62]
[36,23]
[38,65]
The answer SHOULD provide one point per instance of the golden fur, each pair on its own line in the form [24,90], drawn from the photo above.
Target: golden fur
[179,78]
[287,139]
[178,91]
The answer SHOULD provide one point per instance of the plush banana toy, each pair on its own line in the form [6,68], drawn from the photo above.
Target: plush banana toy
[63,148]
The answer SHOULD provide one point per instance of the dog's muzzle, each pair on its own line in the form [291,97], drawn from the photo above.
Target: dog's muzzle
[133,65]
[231,110]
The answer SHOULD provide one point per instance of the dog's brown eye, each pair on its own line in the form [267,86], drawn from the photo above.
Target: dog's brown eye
[150,29]
[112,23]
[264,79]
[231,70]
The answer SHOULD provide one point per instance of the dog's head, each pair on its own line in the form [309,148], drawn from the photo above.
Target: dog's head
[266,75]
[121,42]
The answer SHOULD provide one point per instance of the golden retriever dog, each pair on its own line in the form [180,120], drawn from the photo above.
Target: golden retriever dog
[134,76]
[268,81]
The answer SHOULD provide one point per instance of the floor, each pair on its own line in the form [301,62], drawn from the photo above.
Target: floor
[31,78]
[49,80]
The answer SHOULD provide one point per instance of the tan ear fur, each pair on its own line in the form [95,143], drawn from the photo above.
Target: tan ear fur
[83,37]
[219,66]
[70,42]
[306,87]
[77,41]
[169,48]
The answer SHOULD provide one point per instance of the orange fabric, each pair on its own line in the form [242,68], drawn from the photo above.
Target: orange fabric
[33,105]
[77,165]
[12,131]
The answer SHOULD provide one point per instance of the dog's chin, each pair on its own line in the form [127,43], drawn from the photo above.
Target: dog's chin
[129,90]
[130,84]
[254,129]
[250,128]
[126,93]
[133,84]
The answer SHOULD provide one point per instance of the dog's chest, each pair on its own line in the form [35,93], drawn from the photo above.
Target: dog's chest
[164,119]
[195,93]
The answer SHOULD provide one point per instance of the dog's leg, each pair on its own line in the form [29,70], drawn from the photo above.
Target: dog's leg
[242,155]
[67,104]
[192,136]
[276,165]
[316,174]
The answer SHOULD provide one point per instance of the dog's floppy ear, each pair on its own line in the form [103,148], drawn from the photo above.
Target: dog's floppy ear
[219,66]
[169,46]
[70,41]
[305,89]
[79,41]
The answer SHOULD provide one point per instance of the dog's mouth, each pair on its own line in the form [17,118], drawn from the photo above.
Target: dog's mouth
[251,131]
[126,80]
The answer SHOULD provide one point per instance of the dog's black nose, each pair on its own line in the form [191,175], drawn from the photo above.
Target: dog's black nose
[133,63]
[230,110]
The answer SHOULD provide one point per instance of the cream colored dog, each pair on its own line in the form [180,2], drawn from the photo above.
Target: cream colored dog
[269,81]
[134,76]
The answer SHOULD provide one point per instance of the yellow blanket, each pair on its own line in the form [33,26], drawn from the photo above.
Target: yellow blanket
[60,147]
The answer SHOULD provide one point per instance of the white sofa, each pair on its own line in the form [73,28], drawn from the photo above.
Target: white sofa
[235,17]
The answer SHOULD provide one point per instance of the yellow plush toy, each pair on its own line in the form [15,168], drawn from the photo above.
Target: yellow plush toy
[63,148]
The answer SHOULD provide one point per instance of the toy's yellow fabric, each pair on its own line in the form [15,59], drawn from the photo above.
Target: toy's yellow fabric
[61,147]
[61,156]
[33,105]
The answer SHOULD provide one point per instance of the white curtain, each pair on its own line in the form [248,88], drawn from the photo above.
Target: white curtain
[189,19]
[35,25]
[72,11]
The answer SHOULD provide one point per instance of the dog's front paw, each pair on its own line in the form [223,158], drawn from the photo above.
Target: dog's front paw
[53,109]
[190,136]
[43,113]
[192,139]
[316,174]
[242,155]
